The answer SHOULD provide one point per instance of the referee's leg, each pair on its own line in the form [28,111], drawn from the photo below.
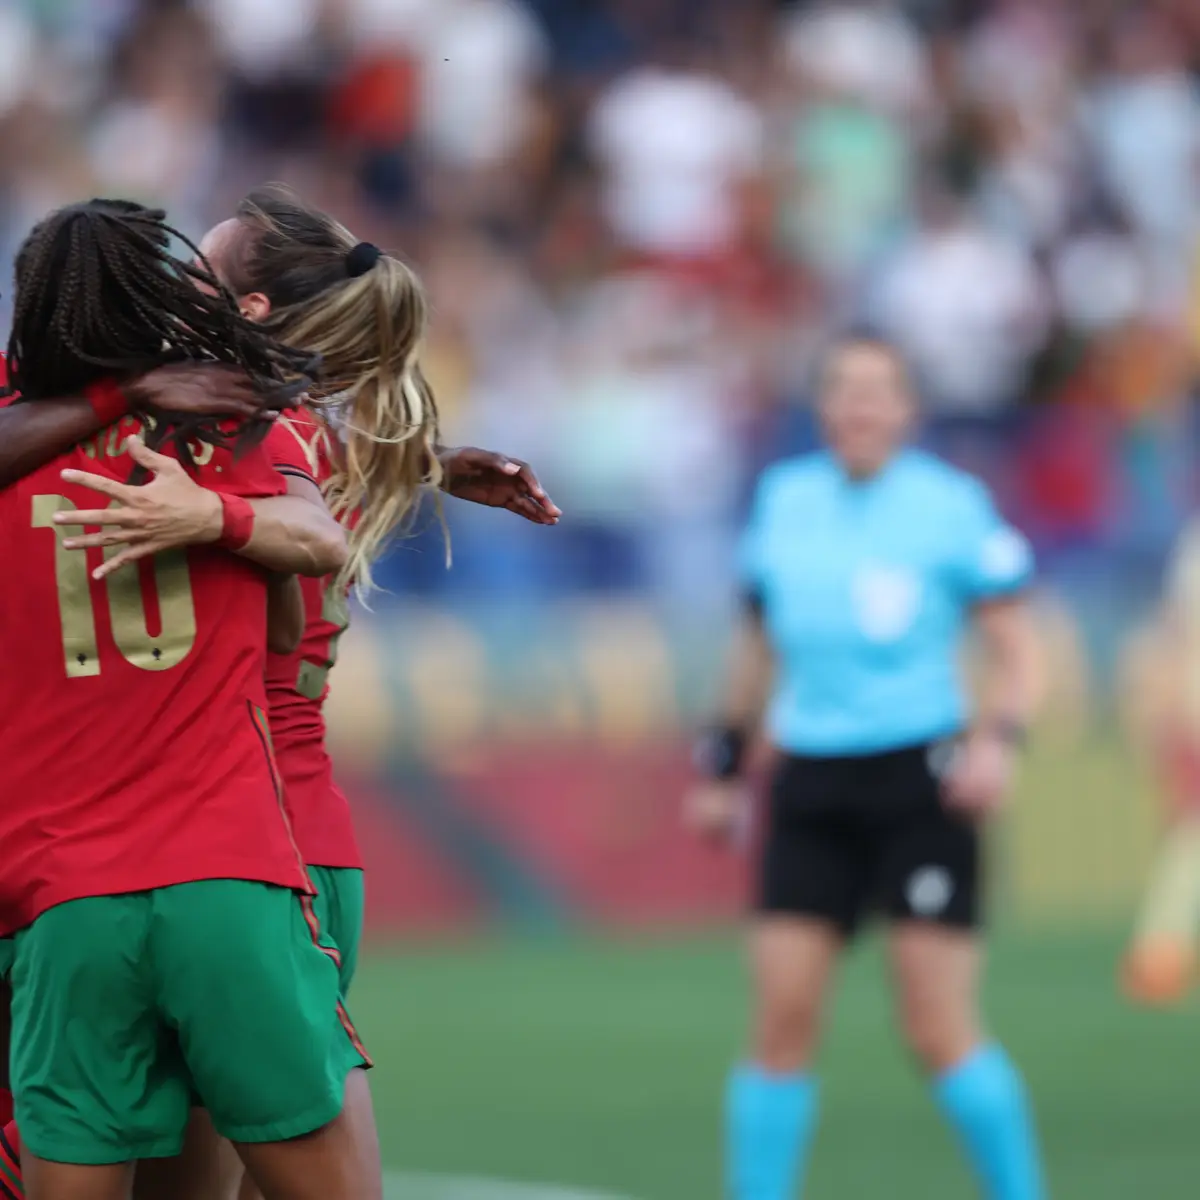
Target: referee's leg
[811,889]
[931,887]
[980,1091]
[771,1099]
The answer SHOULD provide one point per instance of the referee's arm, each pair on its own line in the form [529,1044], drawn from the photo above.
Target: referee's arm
[750,672]
[1013,679]
[717,807]
[996,571]
[996,574]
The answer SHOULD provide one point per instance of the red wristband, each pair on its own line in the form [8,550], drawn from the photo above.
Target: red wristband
[237,525]
[108,402]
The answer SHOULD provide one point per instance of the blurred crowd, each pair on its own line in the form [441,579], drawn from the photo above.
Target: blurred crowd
[641,220]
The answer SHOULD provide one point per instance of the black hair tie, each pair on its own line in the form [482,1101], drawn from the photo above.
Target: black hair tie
[362,258]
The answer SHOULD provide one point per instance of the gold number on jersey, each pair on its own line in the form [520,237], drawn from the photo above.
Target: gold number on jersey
[177,612]
[81,656]
[127,610]
[312,677]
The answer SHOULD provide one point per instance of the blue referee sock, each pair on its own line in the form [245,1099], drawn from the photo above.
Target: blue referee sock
[769,1124]
[984,1099]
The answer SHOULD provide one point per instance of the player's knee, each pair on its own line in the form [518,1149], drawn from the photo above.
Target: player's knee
[785,1032]
[937,1038]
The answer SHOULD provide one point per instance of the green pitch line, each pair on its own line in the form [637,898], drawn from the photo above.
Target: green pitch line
[400,1186]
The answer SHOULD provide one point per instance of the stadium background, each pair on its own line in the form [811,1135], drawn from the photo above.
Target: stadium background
[639,221]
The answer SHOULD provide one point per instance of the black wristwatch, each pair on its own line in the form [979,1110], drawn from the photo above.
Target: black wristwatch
[719,752]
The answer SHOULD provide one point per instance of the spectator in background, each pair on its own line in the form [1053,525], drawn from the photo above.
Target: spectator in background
[870,51]
[481,60]
[775,158]
[1143,118]
[649,416]
[858,82]
[158,139]
[17,46]
[674,140]
[966,306]
[1014,82]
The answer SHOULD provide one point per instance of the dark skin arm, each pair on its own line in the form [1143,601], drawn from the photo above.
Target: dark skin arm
[31,435]
[496,481]
[285,614]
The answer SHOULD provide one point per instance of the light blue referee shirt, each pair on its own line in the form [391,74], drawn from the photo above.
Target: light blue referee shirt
[866,587]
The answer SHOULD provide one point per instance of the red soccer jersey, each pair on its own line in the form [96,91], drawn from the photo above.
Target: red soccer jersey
[135,751]
[297,683]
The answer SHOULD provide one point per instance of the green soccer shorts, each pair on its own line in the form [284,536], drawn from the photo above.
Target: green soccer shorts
[339,905]
[125,1007]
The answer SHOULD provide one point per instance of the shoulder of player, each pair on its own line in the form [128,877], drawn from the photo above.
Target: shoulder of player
[298,444]
[797,475]
[928,472]
[302,423]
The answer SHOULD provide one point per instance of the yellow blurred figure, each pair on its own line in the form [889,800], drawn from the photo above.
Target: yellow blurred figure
[1160,965]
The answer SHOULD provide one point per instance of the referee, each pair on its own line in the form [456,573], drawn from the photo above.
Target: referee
[865,566]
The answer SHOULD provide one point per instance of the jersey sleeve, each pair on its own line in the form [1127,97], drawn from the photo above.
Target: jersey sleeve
[292,448]
[251,474]
[992,559]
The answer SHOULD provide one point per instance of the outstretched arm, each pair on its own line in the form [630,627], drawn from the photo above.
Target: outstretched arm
[497,481]
[33,434]
[292,535]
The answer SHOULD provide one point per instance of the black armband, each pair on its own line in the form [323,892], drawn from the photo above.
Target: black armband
[719,753]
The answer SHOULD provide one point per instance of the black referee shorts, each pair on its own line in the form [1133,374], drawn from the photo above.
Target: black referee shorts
[846,837]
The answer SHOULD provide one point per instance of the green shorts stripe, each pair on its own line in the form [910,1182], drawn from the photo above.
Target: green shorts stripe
[11,1185]
[338,908]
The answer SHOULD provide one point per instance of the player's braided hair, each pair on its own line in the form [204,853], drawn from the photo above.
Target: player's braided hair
[99,294]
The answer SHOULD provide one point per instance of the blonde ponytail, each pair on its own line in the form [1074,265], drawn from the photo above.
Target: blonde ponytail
[378,410]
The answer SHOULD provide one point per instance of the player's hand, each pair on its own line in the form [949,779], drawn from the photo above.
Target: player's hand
[718,811]
[171,510]
[485,477]
[980,777]
[204,389]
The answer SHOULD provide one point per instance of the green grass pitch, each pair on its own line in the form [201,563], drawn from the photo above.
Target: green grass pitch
[599,1065]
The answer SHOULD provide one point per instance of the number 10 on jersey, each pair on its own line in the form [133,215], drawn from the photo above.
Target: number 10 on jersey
[127,610]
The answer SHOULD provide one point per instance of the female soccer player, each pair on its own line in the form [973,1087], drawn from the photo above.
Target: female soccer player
[151,884]
[1159,967]
[368,439]
[863,567]
[300,271]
